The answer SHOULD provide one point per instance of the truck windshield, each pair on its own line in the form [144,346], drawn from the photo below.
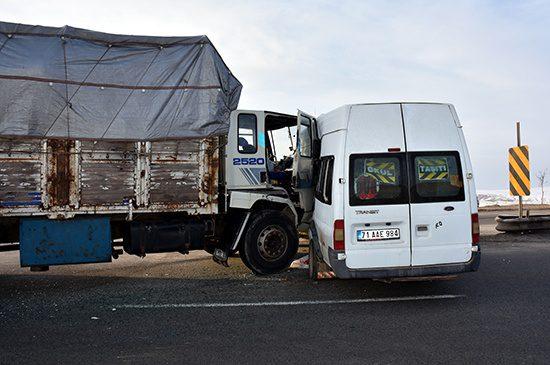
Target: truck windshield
[377,179]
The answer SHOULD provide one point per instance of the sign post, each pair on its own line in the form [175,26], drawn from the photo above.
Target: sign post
[518,160]
[518,134]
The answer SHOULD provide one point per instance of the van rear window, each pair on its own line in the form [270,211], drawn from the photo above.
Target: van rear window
[436,177]
[377,179]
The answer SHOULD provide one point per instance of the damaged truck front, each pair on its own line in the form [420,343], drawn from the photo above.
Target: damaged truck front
[110,141]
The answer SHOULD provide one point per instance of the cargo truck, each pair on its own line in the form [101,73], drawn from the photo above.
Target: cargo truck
[111,142]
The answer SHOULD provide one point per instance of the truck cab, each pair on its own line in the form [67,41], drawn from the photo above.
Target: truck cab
[251,153]
[395,193]
[263,156]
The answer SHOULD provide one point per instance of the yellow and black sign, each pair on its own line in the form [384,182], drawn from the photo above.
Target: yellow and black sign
[384,172]
[430,169]
[518,160]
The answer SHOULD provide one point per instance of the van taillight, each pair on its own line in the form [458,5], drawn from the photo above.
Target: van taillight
[475,229]
[338,235]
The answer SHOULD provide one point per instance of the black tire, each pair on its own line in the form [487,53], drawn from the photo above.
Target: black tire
[244,259]
[313,261]
[270,243]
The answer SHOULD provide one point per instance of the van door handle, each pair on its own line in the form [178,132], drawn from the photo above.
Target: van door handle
[449,208]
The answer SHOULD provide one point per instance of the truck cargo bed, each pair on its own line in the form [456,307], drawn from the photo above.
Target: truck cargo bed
[63,178]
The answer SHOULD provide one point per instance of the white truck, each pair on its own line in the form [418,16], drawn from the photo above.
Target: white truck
[395,194]
[214,194]
[110,141]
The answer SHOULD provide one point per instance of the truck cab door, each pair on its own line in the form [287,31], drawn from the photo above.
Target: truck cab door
[306,155]
[245,165]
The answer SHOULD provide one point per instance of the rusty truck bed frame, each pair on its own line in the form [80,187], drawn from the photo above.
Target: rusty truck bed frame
[64,178]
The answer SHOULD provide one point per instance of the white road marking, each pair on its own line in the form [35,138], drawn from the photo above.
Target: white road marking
[290,303]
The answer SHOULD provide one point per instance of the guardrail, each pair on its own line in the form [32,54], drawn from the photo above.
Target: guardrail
[513,223]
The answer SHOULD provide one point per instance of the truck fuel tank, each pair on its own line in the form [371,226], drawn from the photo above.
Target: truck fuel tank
[168,236]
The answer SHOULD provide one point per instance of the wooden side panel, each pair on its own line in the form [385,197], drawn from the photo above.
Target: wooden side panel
[67,178]
[174,172]
[107,172]
[20,173]
[60,172]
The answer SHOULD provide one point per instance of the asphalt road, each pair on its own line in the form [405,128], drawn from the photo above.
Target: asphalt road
[172,308]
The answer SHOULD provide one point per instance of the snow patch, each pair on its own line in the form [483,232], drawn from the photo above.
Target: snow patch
[502,197]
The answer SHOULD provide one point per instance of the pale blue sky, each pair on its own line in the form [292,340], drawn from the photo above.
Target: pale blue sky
[491,59]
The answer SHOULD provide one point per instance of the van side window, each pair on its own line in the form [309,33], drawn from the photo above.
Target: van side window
[320,180]
[436,177]
[377,179]
[304,137]
[247,133]
[323,189]
[327,193]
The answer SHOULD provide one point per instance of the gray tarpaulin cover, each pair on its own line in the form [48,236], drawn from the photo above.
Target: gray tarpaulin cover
[75,83]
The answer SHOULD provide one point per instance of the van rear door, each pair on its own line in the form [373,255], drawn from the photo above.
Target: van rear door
[440,206]
[305,157]
[376,207]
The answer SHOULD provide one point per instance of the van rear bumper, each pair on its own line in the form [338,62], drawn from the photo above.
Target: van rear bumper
[343,272]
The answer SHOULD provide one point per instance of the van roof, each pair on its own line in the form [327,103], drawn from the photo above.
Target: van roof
[338,118]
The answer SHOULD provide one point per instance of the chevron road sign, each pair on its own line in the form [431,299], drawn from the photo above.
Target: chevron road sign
[518,162]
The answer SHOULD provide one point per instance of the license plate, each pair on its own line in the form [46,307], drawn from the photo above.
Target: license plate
[378,234]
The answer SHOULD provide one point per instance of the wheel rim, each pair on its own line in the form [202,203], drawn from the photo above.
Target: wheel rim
[272,243]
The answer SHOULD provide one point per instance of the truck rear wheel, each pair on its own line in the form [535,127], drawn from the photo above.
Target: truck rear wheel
[270,243]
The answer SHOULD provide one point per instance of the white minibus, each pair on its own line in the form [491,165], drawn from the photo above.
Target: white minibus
[391,191]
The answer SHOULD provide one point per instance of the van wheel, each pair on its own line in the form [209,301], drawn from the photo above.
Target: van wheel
[270,243]
[313,261]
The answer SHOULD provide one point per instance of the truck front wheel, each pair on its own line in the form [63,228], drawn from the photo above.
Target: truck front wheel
[270,243]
